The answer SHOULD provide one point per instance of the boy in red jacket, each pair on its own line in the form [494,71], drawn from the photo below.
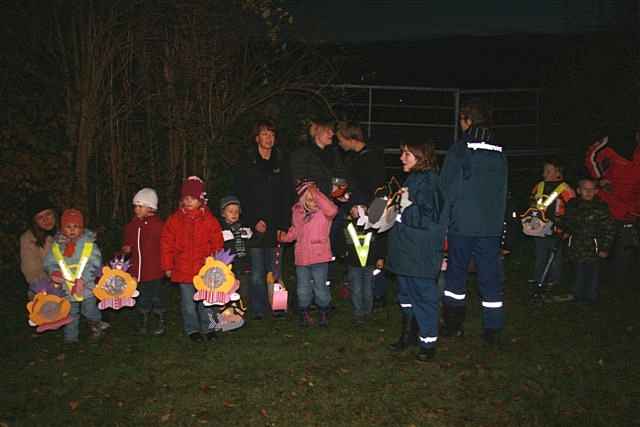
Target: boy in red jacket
[189,236]
[142,244]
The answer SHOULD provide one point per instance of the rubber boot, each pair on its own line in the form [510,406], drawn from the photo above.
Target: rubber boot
[160,327]
[405,339]
[453,319]
[144,324]
[324,318]
[305,319]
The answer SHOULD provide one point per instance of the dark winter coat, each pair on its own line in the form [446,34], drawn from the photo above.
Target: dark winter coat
[317,164]
[590,227]
[415,243]
[143,236]
[365,173]
[475,186]
[265,192]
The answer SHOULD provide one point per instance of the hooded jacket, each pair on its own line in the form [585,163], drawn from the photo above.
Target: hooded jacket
[188,238]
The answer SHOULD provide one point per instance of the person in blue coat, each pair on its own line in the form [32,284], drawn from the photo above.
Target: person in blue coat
[474,178]
[415,246]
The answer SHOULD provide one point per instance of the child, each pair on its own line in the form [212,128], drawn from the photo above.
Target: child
[550,195]
[235,239]
[73,263]
[311,223]
[142,243]
[364,256]
[189,236]
[590,231]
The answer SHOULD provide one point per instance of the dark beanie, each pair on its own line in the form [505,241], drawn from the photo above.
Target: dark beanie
[229,200]
[37,203]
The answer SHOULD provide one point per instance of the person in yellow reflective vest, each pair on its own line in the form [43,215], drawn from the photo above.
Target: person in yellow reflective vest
[73,263]
[550,196]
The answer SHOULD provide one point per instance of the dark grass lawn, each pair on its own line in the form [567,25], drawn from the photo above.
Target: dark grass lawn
[560,364]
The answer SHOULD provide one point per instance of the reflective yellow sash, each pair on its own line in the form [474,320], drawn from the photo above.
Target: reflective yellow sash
[361,243]
[543,201]
[72,272]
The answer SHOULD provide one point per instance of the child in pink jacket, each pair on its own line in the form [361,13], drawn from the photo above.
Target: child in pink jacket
[311,222]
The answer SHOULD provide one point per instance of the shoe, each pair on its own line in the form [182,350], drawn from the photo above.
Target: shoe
[104,325]
[144,323]
[451,333]
[257,317]
[324,319]
[408,333]
[452,321]
[96,330]
[212,335]
[196,337]
[161,327]
[426,354]
[491,336]
[71,341]
[305,320]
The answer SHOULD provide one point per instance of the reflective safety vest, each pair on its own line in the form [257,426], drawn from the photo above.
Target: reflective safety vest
[361,243]
[72,272]
[542,200]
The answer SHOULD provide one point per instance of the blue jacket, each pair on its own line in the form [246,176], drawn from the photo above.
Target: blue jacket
[90,272]
[475,186]
[415,243]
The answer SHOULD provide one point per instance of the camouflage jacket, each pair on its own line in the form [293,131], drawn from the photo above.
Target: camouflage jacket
[590,227]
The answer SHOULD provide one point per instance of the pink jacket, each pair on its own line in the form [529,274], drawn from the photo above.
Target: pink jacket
[312,235]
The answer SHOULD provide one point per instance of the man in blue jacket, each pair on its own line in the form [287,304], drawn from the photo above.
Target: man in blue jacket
[474,177]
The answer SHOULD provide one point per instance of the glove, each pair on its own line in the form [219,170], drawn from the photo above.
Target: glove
[56,277]
[246,233]
[227,235]
[78,287]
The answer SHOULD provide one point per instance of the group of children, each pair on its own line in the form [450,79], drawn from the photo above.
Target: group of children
[578,224]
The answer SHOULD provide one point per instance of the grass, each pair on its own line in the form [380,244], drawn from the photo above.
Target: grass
[559,364]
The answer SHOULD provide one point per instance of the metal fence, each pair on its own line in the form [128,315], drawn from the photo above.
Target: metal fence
[392,114]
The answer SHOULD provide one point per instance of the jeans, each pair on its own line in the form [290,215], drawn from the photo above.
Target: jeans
[262,260]
[152,296]
[544,246]
[587,278]
[196,317]
[419,297]
[361,279]
[312,281]
[89,309]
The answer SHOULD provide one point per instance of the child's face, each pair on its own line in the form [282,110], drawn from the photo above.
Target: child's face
[587,190]
[45,219]
[308,200]
[266,139]
[190,203]
[142,211]
[72,231]
[231,213]
[551,173]
[324,137]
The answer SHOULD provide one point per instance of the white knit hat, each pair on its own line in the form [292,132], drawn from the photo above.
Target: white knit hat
[146,197]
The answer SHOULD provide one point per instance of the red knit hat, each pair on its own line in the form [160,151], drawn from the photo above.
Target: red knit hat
[72,216]
[194,187]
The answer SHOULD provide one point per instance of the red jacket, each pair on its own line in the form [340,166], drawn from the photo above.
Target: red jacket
[188,238]
[143,237]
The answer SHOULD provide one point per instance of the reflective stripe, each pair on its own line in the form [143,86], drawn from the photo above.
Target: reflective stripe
[429,339]
[483,146]
[406,305]
[361,244]
[458,297]
[70,276]
[497,304]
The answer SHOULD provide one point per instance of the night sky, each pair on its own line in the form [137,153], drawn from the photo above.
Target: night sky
[359,20]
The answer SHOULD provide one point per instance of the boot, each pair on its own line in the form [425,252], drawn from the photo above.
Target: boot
[406,333]
[305,319]
[426,354]
[144,324]
[96,330]
[324,319]
[491,337]
[161,326]
[453,319]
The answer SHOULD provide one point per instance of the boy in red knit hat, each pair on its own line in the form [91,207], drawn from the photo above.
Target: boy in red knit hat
[189,236]
[73,263]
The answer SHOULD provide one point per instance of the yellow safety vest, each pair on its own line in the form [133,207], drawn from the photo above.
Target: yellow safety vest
[72,272]
[544,201]
[361,243]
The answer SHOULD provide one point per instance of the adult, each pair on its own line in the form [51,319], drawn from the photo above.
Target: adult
[262,184]
[36,241]
[617,168]
[474,177]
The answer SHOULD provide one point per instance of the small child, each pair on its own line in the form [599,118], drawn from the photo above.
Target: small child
[364,260]
[311,222]
[590,231]
[142,243]
[236,237]
[550,195]
[189,236]
[73,263]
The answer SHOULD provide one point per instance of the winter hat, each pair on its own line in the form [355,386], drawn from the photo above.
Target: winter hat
[303,185]
[146,197]
[72,216]
[229,200]
[194,187]
[37,203]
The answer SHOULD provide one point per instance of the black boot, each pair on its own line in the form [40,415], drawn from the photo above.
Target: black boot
[426,354]
[491,337]
[405,334]
[453,319]
[161,326]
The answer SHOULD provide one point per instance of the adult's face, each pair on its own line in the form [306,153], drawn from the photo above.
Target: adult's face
[324,137]
[345,143]
[408,159]
[45,219]
[266,139]
[465,123]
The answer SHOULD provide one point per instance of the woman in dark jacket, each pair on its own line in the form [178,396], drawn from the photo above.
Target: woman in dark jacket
[415,250]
